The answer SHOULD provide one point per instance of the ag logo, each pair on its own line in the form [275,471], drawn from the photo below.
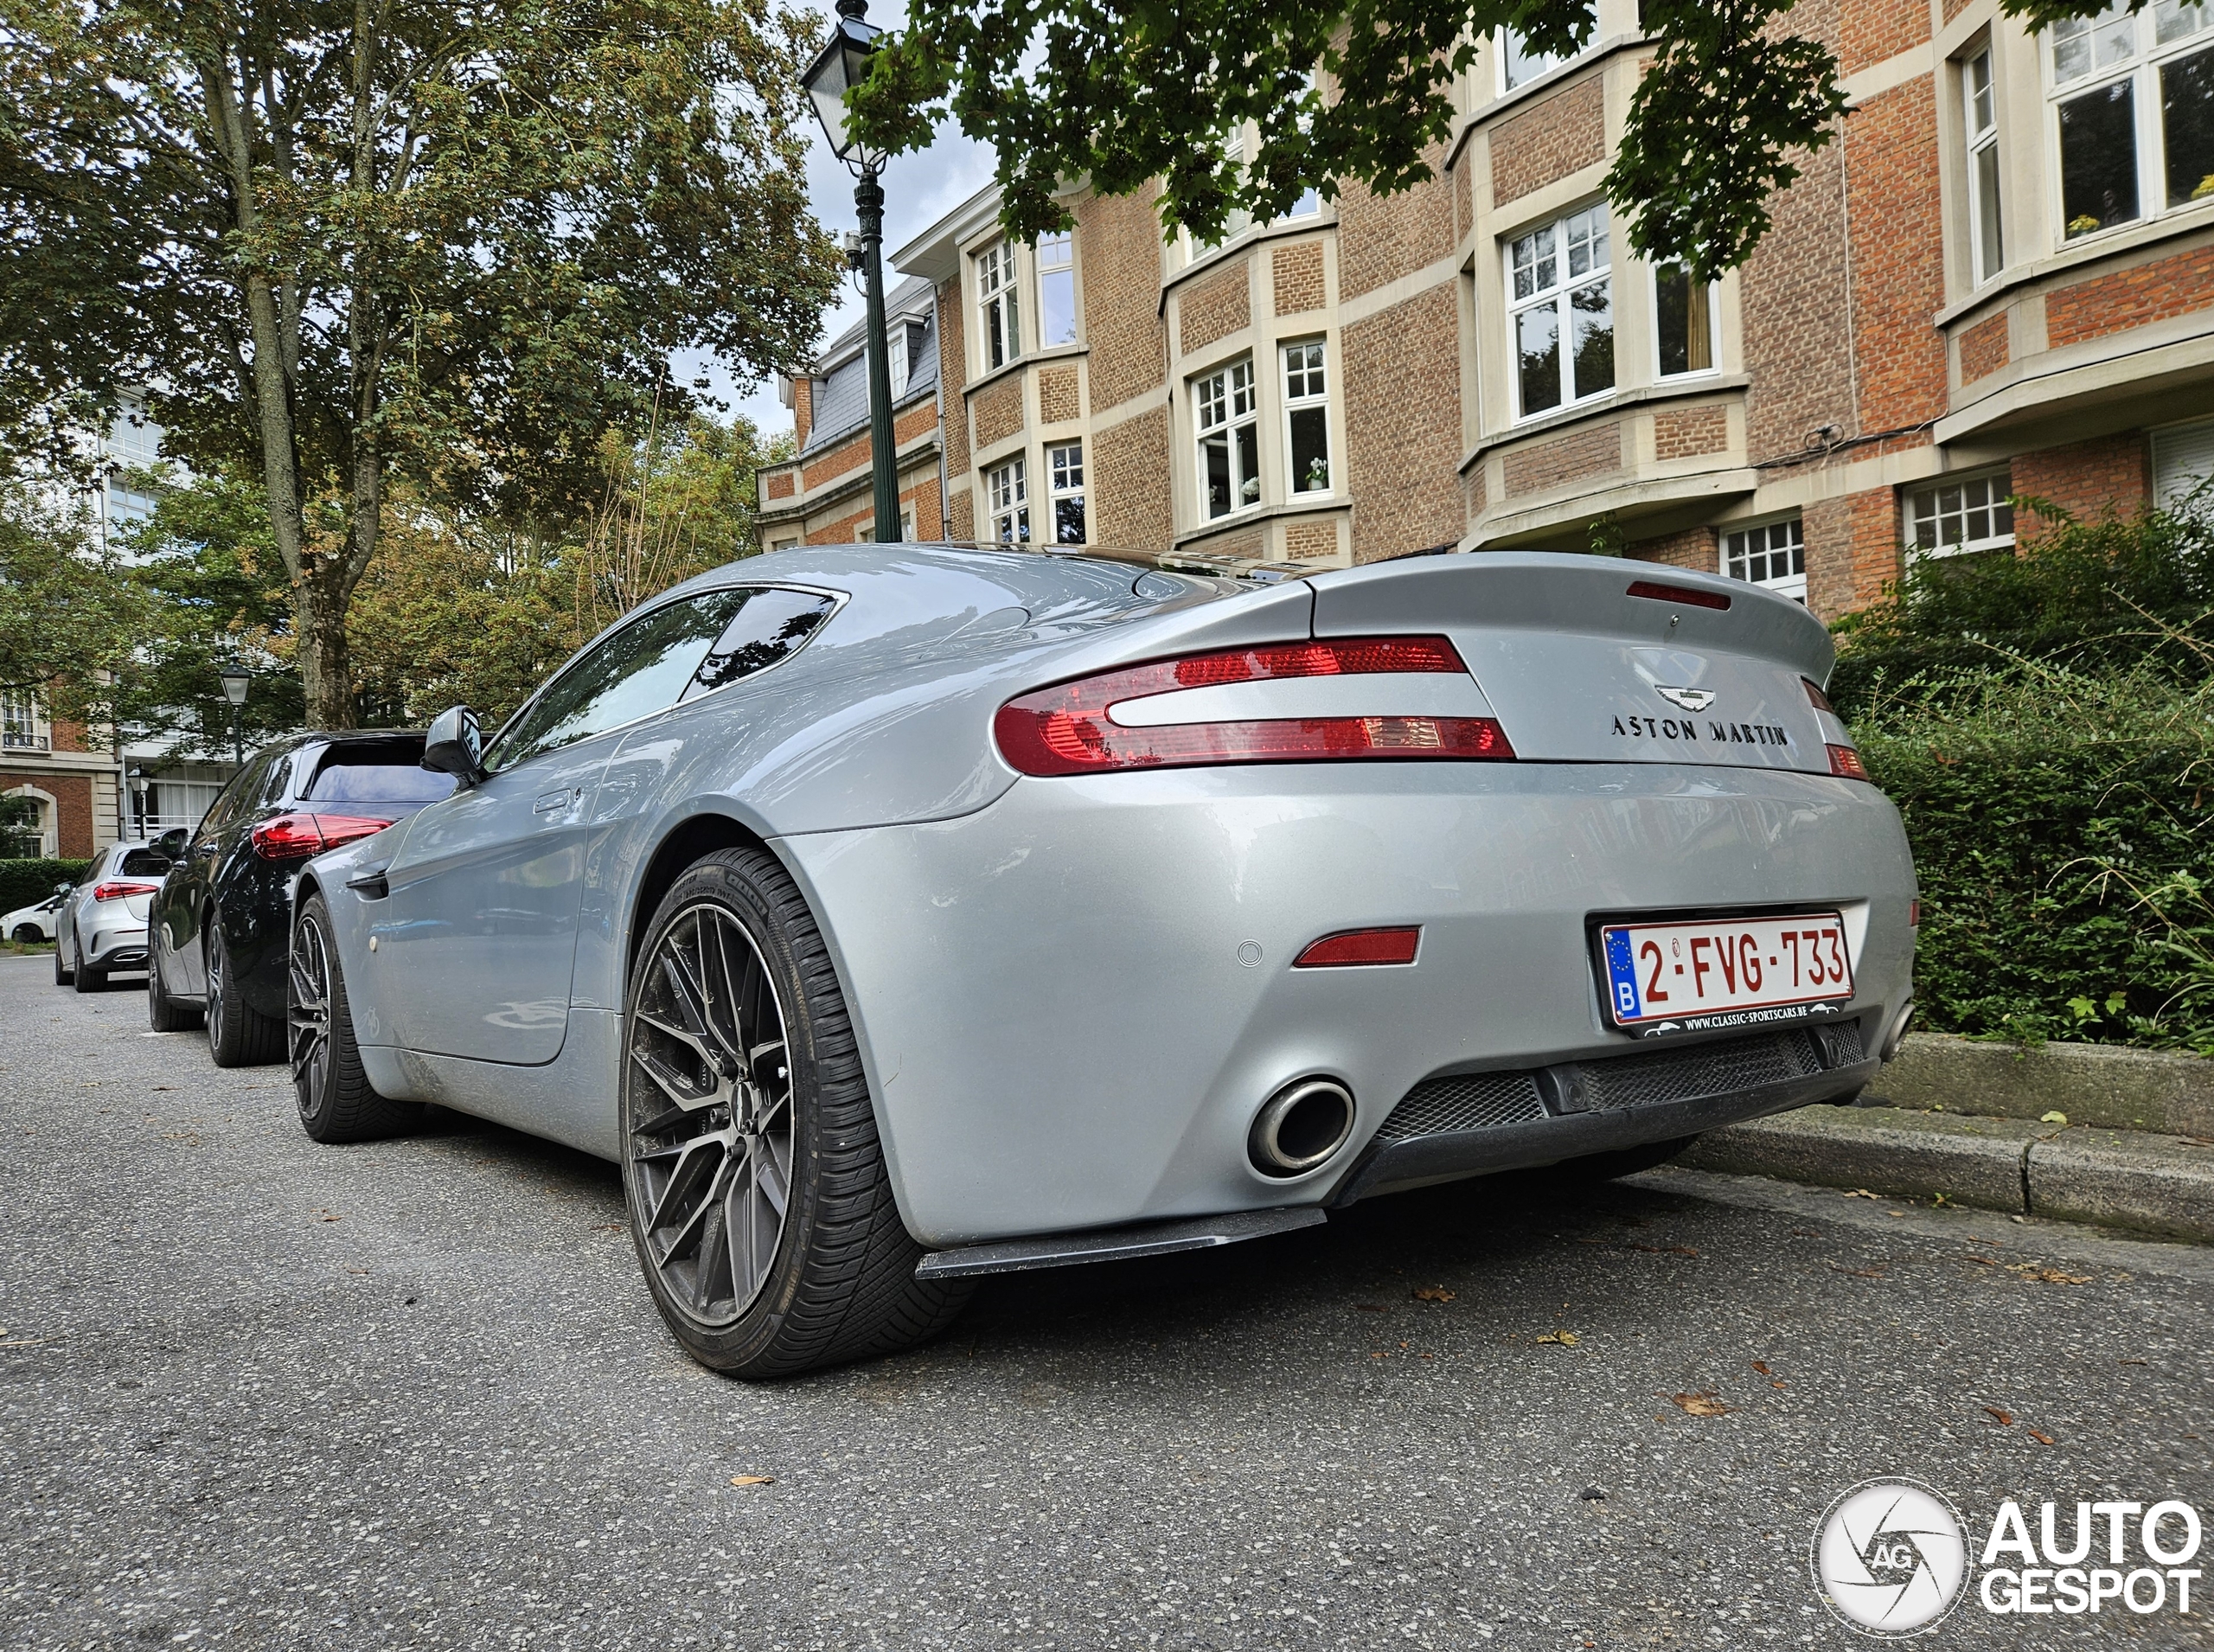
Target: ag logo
[1689,699]
[1889,1558]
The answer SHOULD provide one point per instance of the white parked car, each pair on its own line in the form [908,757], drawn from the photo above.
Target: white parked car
[32,923]
[101,923]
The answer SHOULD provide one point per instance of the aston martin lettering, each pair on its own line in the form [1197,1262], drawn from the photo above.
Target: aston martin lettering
[1686,729]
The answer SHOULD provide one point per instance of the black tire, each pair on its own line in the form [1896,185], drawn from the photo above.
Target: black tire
[28,935]
[163,1013]
[238,1035]
[1623,1161]
[839,1279]
[83,977]
[63,975]
[337,1102]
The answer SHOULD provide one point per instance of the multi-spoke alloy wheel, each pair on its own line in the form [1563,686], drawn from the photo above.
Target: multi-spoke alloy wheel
[711,1129]
[759,1202]
[337,1102]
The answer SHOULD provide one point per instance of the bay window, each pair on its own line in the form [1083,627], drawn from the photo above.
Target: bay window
[1518,65]
[1307,417]
[1008,489]
[1562,309]
[1986,246]
[2132,102]
[1683,321]
[1065,488]
[1056,257]
[1000,329]
[1226,413]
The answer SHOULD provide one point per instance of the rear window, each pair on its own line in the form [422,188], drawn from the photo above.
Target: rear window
[143,863]
[376,777]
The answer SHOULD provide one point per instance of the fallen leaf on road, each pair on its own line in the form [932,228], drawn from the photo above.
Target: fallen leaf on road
[2005,1417]
[2042,1439]
[1862,1193]
[1986,1261]
[2130,1362]
[754,1480]
[2053,1118]
[1566,1339]
[1432,1293]
[1703,1404]
[1775,1382]
[1761,1366]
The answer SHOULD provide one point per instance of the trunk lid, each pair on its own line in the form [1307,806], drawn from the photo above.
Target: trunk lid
[1578,669]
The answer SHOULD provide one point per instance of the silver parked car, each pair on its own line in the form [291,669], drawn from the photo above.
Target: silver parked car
[894,914]
[101,923]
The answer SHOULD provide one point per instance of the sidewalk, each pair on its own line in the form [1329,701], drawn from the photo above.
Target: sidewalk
[2133,1146]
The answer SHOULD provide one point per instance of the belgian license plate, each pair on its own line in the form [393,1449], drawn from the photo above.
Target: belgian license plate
[1725,972]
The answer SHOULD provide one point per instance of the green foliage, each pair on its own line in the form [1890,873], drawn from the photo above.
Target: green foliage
[456,245]
[27,882]
[2059,820]
[2090,595]
[1120,94]
[67,617]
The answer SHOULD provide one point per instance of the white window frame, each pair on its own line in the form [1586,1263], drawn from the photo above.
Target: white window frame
[1226,402]
[895,357]
[1980,124]
[1064,485]
[1303,365]
[1053,257]
[2147,55]
[1552,244]
[999,332]
[23,726]
[1713,331]
[1751,551]
[1007,496]
[1968,497]
[1532,64]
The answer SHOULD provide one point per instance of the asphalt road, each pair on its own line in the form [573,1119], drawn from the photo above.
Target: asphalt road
[256,1393]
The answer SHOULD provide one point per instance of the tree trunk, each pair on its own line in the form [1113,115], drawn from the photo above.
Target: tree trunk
[326,667]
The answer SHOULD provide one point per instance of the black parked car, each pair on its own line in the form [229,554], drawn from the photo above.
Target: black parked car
[221,927]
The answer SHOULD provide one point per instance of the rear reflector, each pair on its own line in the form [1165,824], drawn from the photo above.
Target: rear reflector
[1816,698]
[1066,729]
[1914,914]
[1660,593]
[122,891]
[1846,761]
[1355,946]
[294,838]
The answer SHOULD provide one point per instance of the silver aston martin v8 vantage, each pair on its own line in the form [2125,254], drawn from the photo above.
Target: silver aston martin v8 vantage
[898,913]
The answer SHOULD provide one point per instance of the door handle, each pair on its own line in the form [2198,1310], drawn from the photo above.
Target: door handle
[552,801]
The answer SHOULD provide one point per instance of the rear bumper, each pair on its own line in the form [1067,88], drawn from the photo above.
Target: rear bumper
[1070,1004]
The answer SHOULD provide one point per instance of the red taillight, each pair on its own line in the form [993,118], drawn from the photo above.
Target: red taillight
[1816,698]
[1914,914]
[1066,729]
[122,891]
[1846,761]
[294,838]
[1356,946]
[1658,591]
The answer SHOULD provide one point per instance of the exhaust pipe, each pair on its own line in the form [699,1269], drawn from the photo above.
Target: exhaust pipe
[1895,1034]
[1300,1126]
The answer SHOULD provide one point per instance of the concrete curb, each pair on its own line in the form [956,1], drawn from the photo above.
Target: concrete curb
[2094,1084]
[2152,1184]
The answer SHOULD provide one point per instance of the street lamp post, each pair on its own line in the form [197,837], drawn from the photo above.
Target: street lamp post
[137,778]
[842,62]
[234,687]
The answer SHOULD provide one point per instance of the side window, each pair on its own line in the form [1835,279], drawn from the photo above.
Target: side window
[277,784]
[773,625]
[234,799]
[643,668]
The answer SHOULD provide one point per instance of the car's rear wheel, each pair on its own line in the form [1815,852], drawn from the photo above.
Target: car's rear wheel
[337,1103]
[238,1035]
[83,977]
[759,1202]
[163,1013]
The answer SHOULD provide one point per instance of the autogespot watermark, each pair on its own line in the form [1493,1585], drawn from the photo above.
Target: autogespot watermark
[1892,1557]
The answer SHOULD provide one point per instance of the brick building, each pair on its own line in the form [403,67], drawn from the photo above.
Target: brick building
[1999,281]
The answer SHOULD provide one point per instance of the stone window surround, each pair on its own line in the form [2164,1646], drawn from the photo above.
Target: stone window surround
[1262,340]
[1242,243]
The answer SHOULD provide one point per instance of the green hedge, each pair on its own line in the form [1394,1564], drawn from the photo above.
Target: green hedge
[23,883]
[2060,824]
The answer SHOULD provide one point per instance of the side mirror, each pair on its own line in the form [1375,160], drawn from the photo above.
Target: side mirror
[61,891]
[171,842]
[455,746]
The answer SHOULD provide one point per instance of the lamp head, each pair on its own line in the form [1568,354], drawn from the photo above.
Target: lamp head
[235,685]
[840,65]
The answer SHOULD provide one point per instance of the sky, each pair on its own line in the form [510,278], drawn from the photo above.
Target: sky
[918,190]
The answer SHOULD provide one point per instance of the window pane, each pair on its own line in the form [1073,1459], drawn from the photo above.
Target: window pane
[1534,268]
[1537,345]
[1980,111]
[1248,437]
[1310,450]
[773,626]
[2173,21]
[1686,330]
[1523,64]
[1990,248]
[640,669]
[1068,521]
[1214,459]
[1594,320]
[2098,159]
[1057,306]
[2187,117]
